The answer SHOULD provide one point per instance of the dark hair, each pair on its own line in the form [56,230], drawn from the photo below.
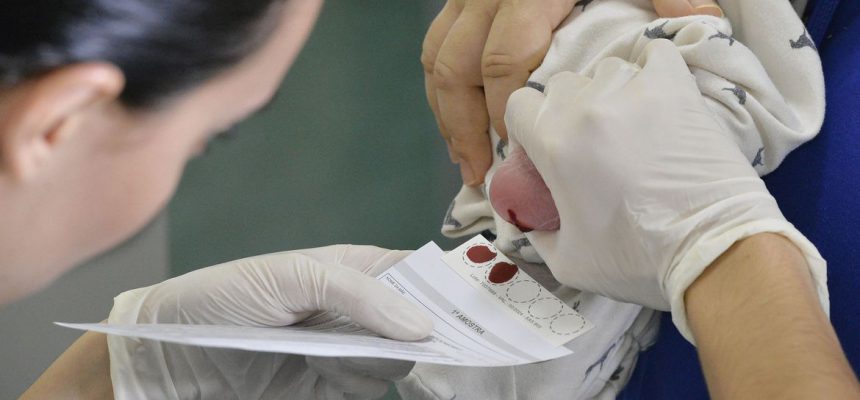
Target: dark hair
[162,46]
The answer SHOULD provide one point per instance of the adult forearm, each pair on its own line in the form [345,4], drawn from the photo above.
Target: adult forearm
[760,330]
[81,372]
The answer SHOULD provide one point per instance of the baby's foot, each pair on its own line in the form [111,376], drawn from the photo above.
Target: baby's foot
[520,196]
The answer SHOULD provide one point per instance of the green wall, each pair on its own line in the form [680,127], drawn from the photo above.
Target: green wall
[349,153]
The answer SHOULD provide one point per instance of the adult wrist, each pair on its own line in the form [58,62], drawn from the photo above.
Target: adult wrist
[760,332]
[709,248]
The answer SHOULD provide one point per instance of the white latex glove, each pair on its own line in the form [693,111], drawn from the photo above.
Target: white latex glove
[648,187]
[271,290]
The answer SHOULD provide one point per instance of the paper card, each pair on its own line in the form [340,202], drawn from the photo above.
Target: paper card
[492,273]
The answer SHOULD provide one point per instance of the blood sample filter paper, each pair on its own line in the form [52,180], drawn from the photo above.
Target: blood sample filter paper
[486,312]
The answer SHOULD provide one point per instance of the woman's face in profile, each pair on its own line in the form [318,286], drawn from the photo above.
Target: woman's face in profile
[117,168]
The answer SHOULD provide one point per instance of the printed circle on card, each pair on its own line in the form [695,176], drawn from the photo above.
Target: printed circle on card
[567,324]
[490,272]
[523,291]
[546,307]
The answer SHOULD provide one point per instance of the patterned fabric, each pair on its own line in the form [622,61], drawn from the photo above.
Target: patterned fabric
[816,188]
[760,74]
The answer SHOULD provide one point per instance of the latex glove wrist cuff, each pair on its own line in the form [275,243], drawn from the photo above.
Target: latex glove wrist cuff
[706,250]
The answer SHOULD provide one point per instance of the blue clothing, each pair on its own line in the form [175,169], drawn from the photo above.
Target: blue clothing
[818,189]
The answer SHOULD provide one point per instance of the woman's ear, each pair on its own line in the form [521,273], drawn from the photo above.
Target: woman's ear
[37,115]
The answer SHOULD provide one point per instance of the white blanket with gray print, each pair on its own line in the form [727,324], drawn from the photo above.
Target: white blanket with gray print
[760,74]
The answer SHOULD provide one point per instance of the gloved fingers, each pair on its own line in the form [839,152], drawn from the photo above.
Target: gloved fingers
[324,390]
[566,85]
[377,368]
[371,304]
[326,255]
[353,396]
[370,260]
[381,368]
[610,75]
[663,66]
[545,243]
[521,114]
[282,289]
[560,98]
[555,250]
[565,93]
[347,379]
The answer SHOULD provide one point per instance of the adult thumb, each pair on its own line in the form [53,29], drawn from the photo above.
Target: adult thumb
[663,66]
[527,104]
[521,115]
[373,305]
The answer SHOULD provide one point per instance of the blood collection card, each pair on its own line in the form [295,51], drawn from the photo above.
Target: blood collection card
[490,272]
[486,312]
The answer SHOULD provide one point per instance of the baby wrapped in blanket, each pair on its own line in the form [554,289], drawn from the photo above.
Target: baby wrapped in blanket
[759,73]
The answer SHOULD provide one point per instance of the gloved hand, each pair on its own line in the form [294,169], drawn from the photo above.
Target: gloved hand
[270,290]
[357,378]
[649,188]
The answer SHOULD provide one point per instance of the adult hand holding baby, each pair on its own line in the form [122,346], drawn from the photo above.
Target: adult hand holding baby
[658,206]
[650,190]
[476,53]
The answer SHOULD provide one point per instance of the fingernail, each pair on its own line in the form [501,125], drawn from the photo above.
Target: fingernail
[706,7]
[467,174]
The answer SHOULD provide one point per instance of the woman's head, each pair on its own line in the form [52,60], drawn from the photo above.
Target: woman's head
[162,46]
[102,102]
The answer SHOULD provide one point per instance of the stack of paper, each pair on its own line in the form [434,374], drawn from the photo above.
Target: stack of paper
[486,312]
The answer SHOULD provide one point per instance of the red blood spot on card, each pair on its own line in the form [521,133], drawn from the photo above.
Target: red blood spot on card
[502,272]
[480,254]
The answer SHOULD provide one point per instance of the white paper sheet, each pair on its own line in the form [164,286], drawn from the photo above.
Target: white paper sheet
[471,327]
